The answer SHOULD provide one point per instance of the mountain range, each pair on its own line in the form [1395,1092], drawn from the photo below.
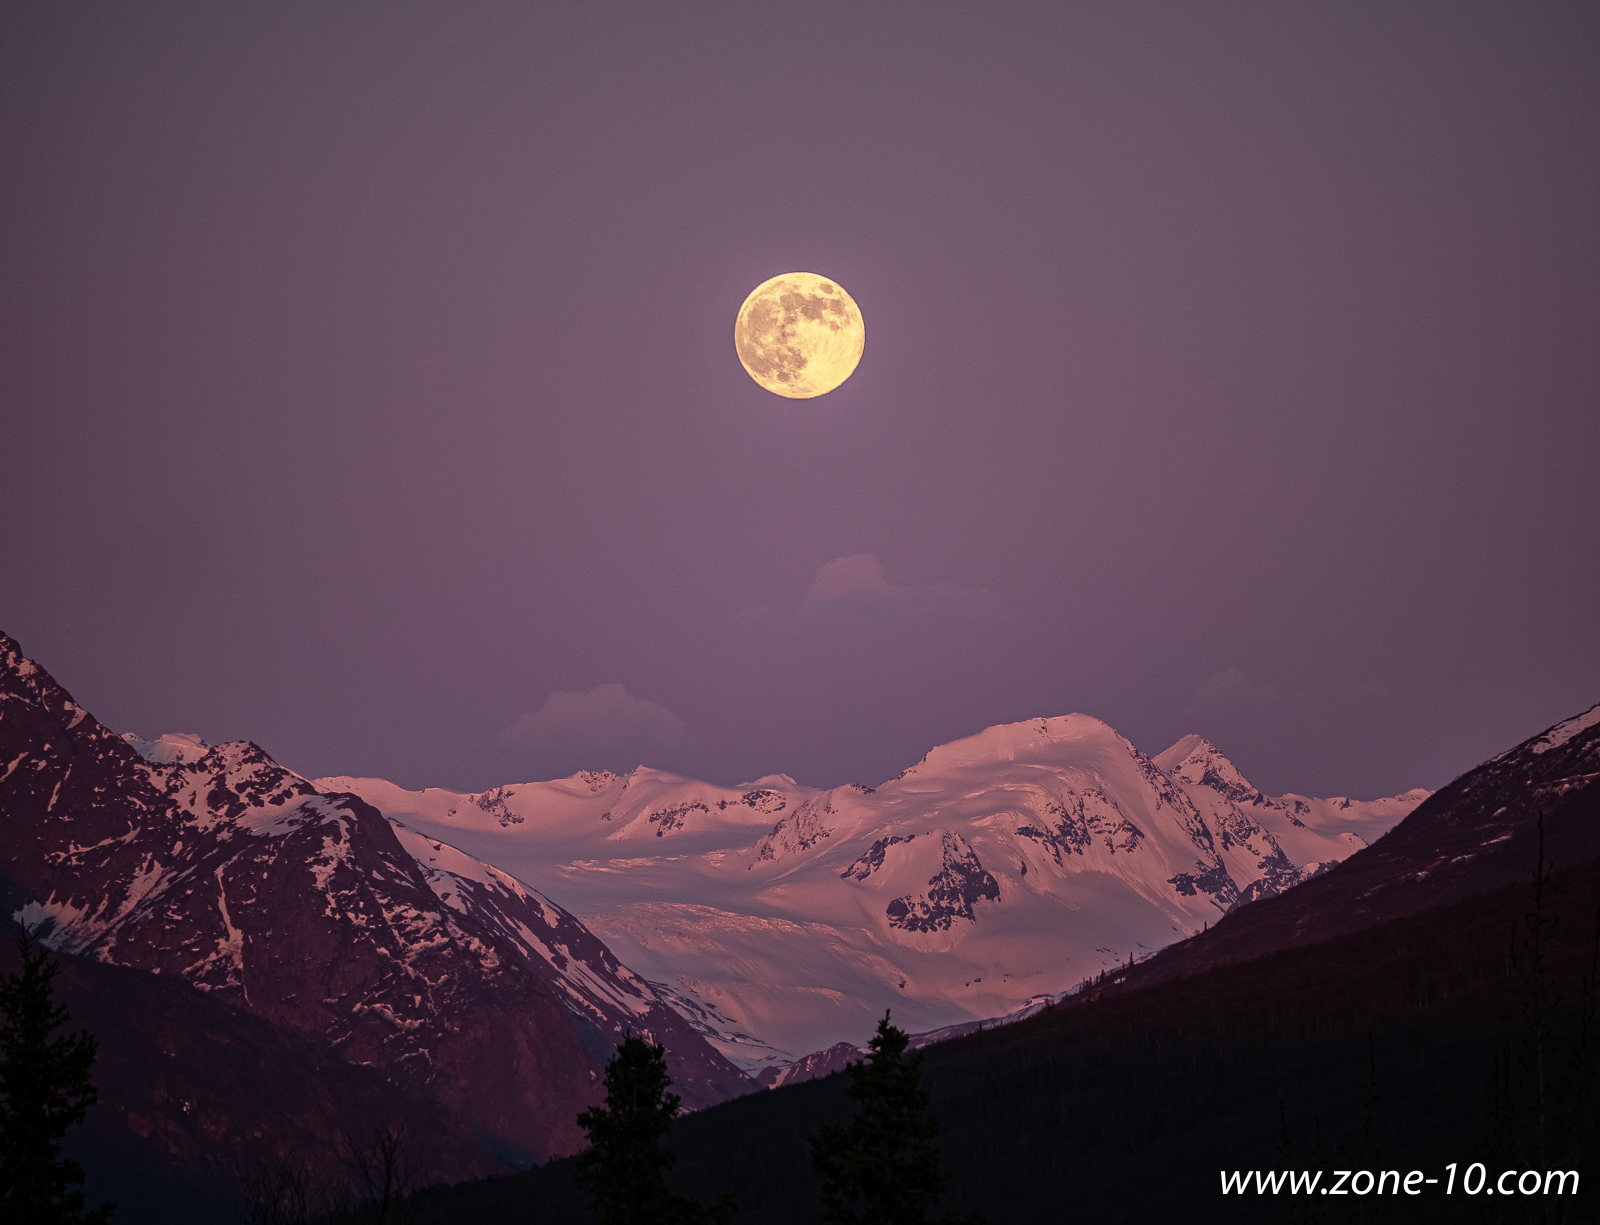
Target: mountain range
[988,878]
[465,964]
[1428,1005]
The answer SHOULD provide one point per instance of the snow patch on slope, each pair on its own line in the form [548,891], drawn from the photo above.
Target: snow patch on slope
[173,746]
[1563,732]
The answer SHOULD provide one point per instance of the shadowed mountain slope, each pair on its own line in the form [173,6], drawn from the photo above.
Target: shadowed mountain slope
[1381,1050]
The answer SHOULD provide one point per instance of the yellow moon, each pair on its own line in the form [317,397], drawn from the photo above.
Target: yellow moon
[799,335]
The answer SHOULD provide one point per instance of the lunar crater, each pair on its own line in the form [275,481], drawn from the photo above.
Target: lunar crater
[798,335]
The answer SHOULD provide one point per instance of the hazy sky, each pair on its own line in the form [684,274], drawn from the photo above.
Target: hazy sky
[369,388]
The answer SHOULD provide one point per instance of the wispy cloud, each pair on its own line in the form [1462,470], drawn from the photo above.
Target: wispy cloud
[855,588]
[604,718]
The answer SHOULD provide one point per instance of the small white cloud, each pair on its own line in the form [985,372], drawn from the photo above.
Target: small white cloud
[854,588]
[606,717]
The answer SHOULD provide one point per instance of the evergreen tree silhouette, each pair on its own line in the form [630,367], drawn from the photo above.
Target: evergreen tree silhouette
[625,1170]
[45,1088]
[883,1169]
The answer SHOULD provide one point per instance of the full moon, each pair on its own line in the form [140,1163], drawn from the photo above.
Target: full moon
[799,335]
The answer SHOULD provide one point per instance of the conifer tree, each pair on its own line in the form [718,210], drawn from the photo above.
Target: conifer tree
[625,1170]
[883,1168]
[44,1089]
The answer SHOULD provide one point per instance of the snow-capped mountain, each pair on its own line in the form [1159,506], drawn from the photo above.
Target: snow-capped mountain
[1268,844]
[389,947]
[1490,828]
[994,874]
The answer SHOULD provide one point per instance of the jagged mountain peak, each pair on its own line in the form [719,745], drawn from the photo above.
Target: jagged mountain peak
[1188,748]
[1194,759]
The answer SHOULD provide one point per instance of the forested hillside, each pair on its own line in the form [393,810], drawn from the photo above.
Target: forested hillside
[1406,1046]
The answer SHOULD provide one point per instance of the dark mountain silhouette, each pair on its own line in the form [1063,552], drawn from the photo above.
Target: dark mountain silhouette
[348,933]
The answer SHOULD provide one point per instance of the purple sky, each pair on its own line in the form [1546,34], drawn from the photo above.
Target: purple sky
[367,378]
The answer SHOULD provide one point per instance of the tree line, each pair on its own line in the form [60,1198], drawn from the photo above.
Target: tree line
[45,1088]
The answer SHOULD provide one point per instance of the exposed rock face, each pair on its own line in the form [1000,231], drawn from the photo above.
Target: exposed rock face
[801,830]
[316,913]
[952,890]
[836,1058]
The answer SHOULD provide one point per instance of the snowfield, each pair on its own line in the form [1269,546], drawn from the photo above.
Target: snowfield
[996,873]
